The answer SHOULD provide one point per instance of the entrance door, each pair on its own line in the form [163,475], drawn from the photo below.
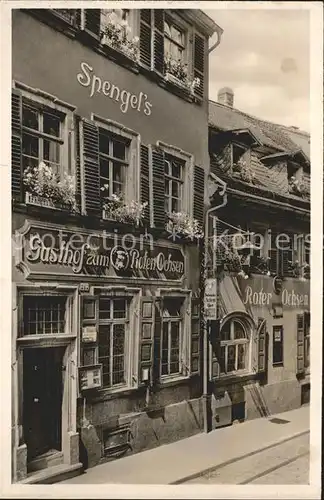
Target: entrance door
[42,406]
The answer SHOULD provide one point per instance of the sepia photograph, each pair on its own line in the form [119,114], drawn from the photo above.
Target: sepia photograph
[162,319]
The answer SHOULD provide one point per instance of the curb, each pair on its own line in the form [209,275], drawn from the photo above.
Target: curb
[238,458]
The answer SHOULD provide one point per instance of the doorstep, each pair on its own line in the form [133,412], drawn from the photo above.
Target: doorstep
[53,474]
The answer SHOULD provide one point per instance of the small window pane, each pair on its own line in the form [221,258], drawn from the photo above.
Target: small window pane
[119,308]
[30,117]
[30,145]
[103,143]
[51,125]
[119,150]
[241,356]
[51,152]
[225,332]
[104,308]
[231,358]
[239,332]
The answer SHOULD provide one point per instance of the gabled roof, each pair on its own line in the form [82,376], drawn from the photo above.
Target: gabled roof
[269,134]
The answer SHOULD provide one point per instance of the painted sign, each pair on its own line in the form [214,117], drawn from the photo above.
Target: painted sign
[127,100]
[210,299]
[260,292]
[43,251]
[89,333]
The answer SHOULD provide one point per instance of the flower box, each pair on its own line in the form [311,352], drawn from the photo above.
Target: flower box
[169,77]
[120,50]
[39,201]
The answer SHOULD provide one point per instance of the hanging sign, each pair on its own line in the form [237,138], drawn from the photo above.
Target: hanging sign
[210,299]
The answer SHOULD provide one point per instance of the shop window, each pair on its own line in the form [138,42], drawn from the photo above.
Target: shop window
[173,181]
[234,347]
[113,157]
[113,340]
[42,137]
[174,40]
[172,326]
[43,315]
[277,346]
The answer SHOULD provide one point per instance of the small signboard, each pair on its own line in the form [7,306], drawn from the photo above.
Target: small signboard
[210,299]
[89,333]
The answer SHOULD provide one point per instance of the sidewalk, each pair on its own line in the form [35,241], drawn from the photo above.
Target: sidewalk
[172,463]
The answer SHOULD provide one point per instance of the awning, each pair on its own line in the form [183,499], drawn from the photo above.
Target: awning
[230,297]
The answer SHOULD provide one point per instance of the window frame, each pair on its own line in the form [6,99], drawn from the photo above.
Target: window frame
[44,101]
[170,179]
[246,151]
[112,322]
[185,335]
[173,20]
[179,320]
[235,342]
[188,168]
[132,177]
[278,363]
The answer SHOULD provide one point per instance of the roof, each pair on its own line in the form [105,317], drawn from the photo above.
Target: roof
[269,134]
[301,138]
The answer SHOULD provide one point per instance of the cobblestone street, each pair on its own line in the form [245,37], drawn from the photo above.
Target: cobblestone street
[286,463]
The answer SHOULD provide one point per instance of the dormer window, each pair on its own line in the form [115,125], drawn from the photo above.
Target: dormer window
[240,157]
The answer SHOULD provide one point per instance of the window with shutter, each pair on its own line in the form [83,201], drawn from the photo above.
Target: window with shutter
[89,138]
[70,16]
[158,41]
[90,22]
[195,336]
[16,146]
[158,187]
[277,345]
[273,254]
[199,64]
[42,136]
[199,189]
[262,346]
[300,364]
[146,180]
[147,336]
[146,37]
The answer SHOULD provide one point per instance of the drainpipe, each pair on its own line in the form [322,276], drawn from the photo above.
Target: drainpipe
[219,36]
[206,395]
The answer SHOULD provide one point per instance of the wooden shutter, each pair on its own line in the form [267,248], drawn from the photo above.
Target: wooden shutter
[90,170]
[158,188]
[214,334]
[146,37]
[284,262]
[199,63]
[261,337]
[91,21]
[158,42]
[300,344]
[195,336]
[89,318]
[16,145]
[157,340]
[78,193]
[199,190]
[273,254]
[145,180]
[146,335]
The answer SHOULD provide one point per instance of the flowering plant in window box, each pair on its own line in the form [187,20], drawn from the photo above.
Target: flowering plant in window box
[115,208]
[260,264]
[176,71]
[298,187]
[182,225]
[46,188]
[116,34]
[298,269]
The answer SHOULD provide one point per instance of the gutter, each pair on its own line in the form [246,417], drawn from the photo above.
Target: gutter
[268,201]
[219,32]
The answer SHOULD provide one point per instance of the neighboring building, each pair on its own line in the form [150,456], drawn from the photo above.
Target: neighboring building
[106,346]
[259,362]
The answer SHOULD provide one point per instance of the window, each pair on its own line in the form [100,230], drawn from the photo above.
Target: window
[42,137]
[240,154]
[113,329]
[277,346]
[44,315]
[113,154]
[173,178]
[234,347]
[174,41]
[172,317]
[69,15]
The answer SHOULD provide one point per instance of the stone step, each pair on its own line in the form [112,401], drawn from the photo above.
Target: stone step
[53,474]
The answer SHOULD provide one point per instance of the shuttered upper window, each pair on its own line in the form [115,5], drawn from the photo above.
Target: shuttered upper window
[168,45]
[113,157]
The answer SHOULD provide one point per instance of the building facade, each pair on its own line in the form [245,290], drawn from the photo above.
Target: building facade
[259,354]
[106,346]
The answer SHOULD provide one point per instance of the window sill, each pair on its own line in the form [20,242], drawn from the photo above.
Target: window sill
[234,377]
[106,394]
[278,365]
[38,201]
[169,381]
[47,339]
